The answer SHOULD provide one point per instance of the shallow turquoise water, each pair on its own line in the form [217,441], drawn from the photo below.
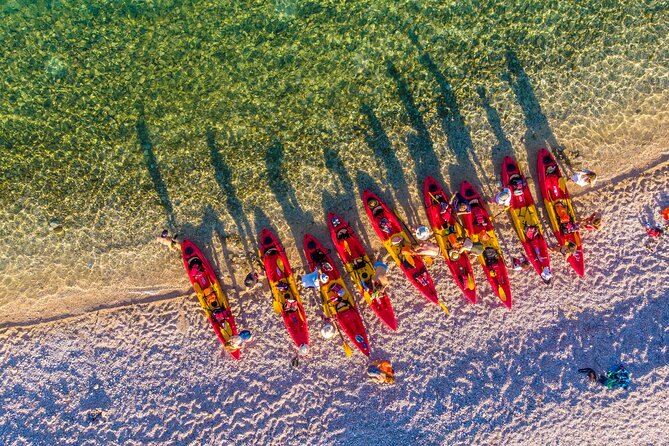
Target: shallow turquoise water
[120,118]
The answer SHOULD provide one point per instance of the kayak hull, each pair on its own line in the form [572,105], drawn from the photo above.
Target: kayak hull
[412,265]
[480,229]
[523,214]
[554,190]
[280,275]
[361,269]
[443,225]
[338,303]
[210,295]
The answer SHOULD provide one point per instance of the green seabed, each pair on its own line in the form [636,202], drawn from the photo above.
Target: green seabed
[121,117]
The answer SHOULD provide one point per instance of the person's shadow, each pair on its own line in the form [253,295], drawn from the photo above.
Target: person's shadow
[539,133]
[503,147]
[298,220]
[419,141]
[377,139]
[223,176]
[145,143]
[467,165]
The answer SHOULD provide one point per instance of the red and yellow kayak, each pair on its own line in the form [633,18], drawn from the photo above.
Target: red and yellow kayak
[479,227]
[559,208]
[397,242]
[448,230]
[208,289]
[525,218]
[361,269]
[338,303]
[286,297]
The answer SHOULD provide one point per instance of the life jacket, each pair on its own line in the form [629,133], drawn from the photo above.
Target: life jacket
[561,212]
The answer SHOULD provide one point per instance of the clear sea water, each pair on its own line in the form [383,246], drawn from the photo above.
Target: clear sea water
[211,118]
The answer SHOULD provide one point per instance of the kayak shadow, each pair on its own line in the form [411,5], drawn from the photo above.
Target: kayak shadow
[298,220]
[503,147]
[145,143]
[377,139]
[344,198]
[467,165]
[539,133]
[223,176]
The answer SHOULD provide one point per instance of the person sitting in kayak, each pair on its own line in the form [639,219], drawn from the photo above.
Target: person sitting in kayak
[531,232]
[336,296]
[210,297]
[461,204]
[490,256]
[561,212]
[569,227]
[385,225]
[375,207]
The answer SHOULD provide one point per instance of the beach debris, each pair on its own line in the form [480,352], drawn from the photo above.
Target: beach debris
[381,372]
[327,330]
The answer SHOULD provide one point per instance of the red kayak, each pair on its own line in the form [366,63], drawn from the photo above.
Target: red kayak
[397,242]
[449,233]
[338,303]
[286,298]
[209,293]
[560,210]
[525,218]
[361,269]
[480,229]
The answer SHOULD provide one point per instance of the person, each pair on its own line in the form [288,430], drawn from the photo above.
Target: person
[385,226]
[584,177]
[655,231]
[503,197]
[520,263]
[422,233]
[427,249]
[381,372]
[381,275]
[251,280]
[592,223]
[567,249]
[569,227]
[562,213]
[171,242]
[311,280]
[531,232]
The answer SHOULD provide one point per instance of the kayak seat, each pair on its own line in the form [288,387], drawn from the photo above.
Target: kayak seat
[358,263]
[343,234]
[378,210]
[490,256]
[271,251]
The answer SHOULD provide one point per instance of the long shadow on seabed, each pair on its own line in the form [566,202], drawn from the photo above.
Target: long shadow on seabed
[234,205]
[539,133]
[284,192]
[146,145]
[419,142]
[377,139]
[467,164]
[503,147]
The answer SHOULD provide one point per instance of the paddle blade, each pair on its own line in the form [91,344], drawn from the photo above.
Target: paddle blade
[501,293]
[470,281]
[277,306]
[347,349]
[444,307]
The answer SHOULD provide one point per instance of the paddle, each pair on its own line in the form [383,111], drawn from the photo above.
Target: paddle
[443,307]
[328,314]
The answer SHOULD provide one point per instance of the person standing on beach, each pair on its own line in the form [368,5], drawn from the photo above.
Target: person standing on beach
[171,242]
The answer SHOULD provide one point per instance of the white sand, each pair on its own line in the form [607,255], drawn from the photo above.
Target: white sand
[484,375]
